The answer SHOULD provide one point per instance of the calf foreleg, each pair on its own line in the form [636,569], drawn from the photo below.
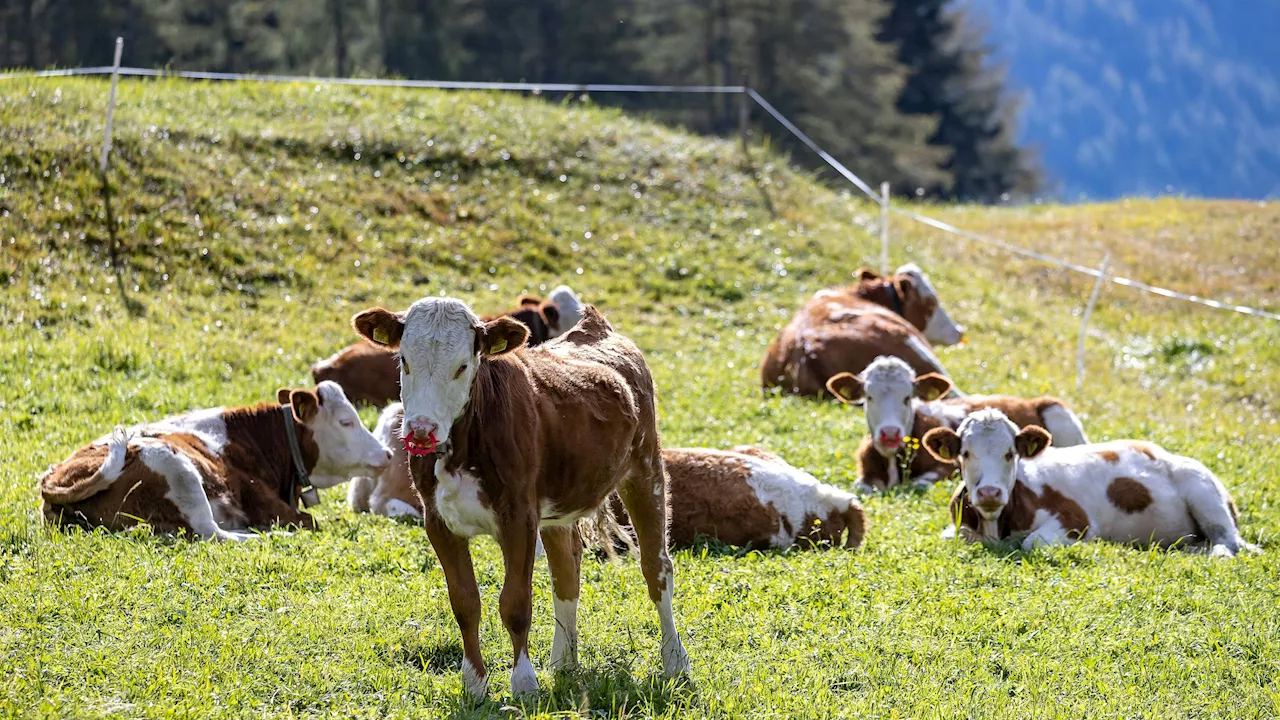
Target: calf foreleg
[518,540]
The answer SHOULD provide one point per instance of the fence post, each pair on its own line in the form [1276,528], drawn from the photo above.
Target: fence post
[744,116]
[111,106]
[1084,323]
[884,229]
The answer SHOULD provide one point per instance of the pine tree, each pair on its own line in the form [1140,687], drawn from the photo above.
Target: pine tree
[951,77]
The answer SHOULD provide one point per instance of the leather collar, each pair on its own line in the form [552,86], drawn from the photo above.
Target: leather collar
[299,485]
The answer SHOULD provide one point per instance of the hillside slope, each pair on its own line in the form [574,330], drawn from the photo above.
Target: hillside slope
[258,219]
[1146,98]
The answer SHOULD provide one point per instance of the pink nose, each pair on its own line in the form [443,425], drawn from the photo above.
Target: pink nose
[422,428]
[987,495]
[890,437]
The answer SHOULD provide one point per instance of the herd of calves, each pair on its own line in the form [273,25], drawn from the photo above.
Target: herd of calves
[538,425]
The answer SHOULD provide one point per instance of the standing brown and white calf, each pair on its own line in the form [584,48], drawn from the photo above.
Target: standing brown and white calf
[215,473]
[844,329]
[898,406]
[1016,485]
[509,441]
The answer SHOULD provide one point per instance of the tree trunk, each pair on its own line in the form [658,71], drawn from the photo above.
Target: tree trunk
[339,37]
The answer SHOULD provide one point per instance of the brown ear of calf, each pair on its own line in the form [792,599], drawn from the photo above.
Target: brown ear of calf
[380,326]
[867,275]
[942,443]
[501,336]
[550,313]
[1032,441]
[282,396]
[846,387]
[305,405]
[932,386]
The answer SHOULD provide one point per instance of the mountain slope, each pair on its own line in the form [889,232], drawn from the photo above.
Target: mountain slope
[1127,97]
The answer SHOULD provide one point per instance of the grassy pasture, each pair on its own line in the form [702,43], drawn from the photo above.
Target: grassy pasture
[256,220]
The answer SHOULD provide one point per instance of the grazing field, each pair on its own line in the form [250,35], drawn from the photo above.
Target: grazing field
[256,220]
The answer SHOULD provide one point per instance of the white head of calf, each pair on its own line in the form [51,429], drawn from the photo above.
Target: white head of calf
[346,447]
[441,343]
[939,328]
[888,390]
[988,447]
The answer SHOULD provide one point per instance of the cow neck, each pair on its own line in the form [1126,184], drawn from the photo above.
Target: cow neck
[1019,511]
[497,413]
[260,435]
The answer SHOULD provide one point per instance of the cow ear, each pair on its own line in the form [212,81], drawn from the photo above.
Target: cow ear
[943,443]
[282,396]
[380,326]
[931,386]
[905,286]
[305,405]
[551,314]
[1032,441]
[846,387]
[866,275]
[525,300]
[501,336]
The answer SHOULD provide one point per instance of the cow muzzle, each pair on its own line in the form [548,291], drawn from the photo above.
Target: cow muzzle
[889,438]
[988,499]
[421,436]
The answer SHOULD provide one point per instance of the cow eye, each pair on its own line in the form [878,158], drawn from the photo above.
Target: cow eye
[404,365]
[906,400]
[1008,456]
[965,454]
[461,369]
[346,423]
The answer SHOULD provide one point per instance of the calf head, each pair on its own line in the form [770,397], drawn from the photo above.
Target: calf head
[346,447]
[441,345]
[569,308]
[920,306]
[542,318]
[988,447]
[888,390]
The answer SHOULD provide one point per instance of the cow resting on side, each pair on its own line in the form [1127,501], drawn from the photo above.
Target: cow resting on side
[1016,485]
[215,473]
[369,373]
[511,442]
[899,406]
[844,329]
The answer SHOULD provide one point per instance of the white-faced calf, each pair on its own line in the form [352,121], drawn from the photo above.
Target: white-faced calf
[899,405]
[511,441]
[216,473]
[1016,485]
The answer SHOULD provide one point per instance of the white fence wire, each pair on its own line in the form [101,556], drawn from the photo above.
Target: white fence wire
[881,199]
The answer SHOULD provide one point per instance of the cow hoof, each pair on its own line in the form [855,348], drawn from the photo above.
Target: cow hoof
[524,681]
[476,685]
[1220,551]
[675,661]
[948,533]
[864,488]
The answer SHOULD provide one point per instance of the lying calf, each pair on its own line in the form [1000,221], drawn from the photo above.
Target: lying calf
[1123,491]
[369,372]
[897,404]
[747,497]
[215,473]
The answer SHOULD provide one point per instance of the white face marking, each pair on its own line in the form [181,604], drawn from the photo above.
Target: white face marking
[347,448]
[940,329]
[988,460]
[889,389]
[439,359]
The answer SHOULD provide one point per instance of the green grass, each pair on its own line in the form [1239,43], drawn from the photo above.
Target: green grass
[253,232]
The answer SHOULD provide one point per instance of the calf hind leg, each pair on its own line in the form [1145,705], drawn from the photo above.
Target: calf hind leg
[564,559]
[644,495]
[1208,503]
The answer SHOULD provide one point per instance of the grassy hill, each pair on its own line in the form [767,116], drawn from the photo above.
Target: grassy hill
[256,220]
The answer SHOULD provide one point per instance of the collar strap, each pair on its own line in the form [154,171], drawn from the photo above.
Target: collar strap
[897,299]
[299,481]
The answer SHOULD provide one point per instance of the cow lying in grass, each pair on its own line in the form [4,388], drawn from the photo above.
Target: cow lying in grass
[844,329]
[745,497]
[899,406]
[216,473]
[369,373]
[1016,485]
[511,442]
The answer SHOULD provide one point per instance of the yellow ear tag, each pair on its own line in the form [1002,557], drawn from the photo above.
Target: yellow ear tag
[381,336]
[944,453]
[498,346]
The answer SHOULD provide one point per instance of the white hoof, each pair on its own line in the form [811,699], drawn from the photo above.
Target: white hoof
[675,661]
[476,685]
[524,681]
[948,533]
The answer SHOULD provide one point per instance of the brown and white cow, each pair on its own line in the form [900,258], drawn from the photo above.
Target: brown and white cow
[511,441]
[215,473]
[370,373]
[899,406]
[1016,485]
[745,497]
[844,329]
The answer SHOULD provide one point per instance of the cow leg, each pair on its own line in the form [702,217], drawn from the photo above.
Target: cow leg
[644,495]
[464,596]
[563,546]
[519,540]
[186,491]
